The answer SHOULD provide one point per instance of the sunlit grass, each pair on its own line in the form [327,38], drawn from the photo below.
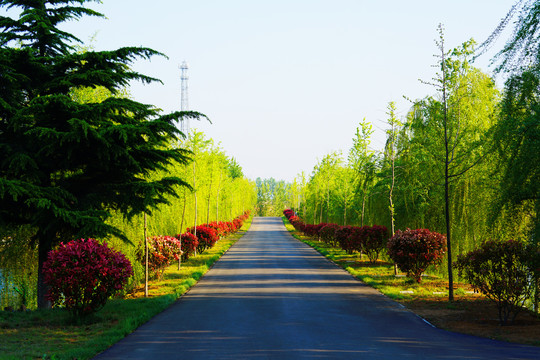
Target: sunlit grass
[52,334]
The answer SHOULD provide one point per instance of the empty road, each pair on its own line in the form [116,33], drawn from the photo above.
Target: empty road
[273,297]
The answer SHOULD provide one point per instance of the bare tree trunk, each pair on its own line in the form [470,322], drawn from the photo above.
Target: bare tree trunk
[392,213]
[217,196]
[145,258]
[209,193]
[447,162]
[182,226]
[183,212]
[345,214]
[45,245]
[363,207]
[195,196]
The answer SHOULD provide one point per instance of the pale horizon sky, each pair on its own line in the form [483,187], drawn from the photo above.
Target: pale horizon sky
[286,82]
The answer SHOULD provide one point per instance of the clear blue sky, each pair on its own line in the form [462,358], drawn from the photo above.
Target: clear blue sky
[287,81]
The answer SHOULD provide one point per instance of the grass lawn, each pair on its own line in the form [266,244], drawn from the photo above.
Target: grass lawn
[470,312]
[51,334]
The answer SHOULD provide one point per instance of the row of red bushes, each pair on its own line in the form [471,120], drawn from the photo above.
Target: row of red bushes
[507,272]
[83,274]
[370,240]
[412,250]
[163,250]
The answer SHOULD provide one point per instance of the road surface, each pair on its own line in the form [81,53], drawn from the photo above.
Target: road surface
[273,297]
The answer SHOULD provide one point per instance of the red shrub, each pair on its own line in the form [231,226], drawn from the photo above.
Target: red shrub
[502,270]
[374,241]
[356,237]
[297,223]
[162,251]
[245,215]
[288,213]
[189,244]
[328,233]
[238,223]
[342,238]
[206,235]
[414,250]
[318,228]
[310,230]
[83,274]
[229,226]
[220,228]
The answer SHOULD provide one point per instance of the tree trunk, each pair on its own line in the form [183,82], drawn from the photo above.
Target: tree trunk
[345,214]
[145,258]
[448,237]
[447,162]
[183,212]
[363,207]
[182,226]
[45,245]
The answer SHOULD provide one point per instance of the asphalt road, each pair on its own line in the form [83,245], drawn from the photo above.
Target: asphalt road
[273,297]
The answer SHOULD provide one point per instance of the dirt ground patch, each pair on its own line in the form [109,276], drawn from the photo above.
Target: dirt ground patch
[477,316]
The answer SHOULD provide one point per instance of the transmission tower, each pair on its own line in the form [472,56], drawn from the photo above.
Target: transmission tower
[184,125]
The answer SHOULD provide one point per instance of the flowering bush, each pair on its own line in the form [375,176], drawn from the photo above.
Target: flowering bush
[206,236]
[162,251]
[374,241]
[83,274]
[414,250]
[288,213]
[220,228]
[502,270]
[244,216]
[237,223]
[297,223]
[189,244]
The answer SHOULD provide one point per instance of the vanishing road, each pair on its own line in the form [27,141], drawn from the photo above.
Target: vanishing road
[273,297]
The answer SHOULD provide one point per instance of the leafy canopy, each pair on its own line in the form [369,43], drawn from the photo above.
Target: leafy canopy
[66,164]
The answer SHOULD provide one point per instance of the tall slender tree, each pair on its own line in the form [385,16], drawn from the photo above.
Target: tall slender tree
[65,165]
[459,118]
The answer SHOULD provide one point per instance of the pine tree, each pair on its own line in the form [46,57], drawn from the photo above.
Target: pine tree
[65,165]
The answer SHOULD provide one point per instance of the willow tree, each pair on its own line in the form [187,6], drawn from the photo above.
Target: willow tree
[459,117]
[522,49]
[363,162]
[67,165]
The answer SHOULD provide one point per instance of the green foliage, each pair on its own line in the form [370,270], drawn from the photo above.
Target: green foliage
[272,197]
[67,165]
[517,140]
[504,271]
[18,268]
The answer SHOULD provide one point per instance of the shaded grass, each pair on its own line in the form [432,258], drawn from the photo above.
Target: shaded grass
[53,334]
